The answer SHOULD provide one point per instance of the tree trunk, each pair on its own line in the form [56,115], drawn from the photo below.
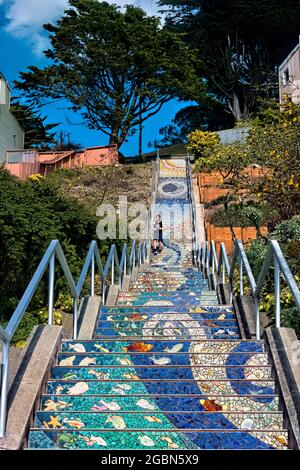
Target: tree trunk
[236,108]
[113,139]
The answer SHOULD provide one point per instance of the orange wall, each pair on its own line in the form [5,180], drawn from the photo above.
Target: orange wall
[209,190]
[223,234]
[23,170]
[49,161]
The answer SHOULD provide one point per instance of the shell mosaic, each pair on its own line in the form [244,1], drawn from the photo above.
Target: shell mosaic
[167,368]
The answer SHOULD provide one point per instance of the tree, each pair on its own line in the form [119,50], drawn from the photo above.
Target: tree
[240,44]
[63,141]
[118,69]
[33,213]
[275,149]
[37,133]
[209,115]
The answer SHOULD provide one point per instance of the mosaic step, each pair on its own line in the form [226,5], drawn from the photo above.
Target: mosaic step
[198,358]
[172,286]
[142,403]
[133,384]
[86,386]
[182,295]
[168,302]
[150,298]
[177,334]
[176,372]
[139,316]
[165,346]
[142,313]
[175,268]
[157,420]
[259,383]
[175,296]
[157,440]
[161,321]
[164,309]
[169,278]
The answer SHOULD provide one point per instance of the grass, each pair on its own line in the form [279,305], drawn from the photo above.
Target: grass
[94,186]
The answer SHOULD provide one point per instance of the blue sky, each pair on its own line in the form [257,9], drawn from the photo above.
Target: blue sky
[22,42]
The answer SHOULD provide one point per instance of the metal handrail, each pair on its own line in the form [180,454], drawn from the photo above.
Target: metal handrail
[151,213]
[274,258]
[54,250]
[93,260]
[196,243]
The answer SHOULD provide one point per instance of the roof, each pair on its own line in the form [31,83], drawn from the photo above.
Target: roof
[291,54]
[48,158]
[3,77]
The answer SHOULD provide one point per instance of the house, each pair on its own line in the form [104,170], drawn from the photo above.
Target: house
[24,163]
[289,76]
[11,133]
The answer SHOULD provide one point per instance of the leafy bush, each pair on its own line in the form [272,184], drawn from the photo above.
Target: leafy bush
[199,141]
[287,234]
[242,216]
[287,231]
[33,213]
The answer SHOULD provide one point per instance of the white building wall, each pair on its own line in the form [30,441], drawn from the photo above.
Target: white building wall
[11,133]
[289,76]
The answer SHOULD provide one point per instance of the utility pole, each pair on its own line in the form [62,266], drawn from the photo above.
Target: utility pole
[141,133]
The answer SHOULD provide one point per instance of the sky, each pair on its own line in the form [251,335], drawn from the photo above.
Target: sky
[22,42]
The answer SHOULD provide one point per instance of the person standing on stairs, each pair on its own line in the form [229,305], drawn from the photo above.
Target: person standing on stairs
[157,235]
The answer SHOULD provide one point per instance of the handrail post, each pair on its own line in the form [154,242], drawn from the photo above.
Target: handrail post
[75,319]
[93,276]
[51,289]
[223,269]
[4,387]
[241,273]
[277,292]
[103,292]
[257,316]
[113,270]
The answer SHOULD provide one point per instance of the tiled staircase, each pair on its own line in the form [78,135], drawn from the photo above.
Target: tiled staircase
[167,368]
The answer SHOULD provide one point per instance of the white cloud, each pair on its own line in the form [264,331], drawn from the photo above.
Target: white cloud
[26,17]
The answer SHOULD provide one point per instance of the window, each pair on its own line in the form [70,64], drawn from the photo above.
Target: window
[286,76]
